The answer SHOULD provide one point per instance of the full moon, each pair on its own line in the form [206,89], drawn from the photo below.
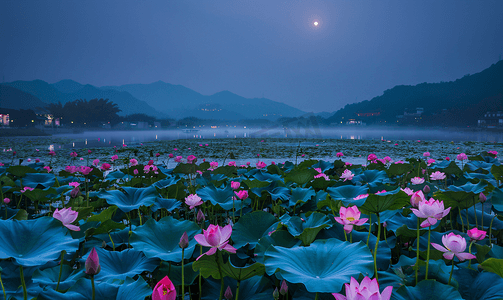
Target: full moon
[316,23]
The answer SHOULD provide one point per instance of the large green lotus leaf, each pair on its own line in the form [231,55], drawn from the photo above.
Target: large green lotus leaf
[20,171]
[208,267]
[12,281]
[39,180]
[406,226]
[479,286]
[243,273]
[160,239]
[103,215]
[276,238]
[475,165]
[323,165]
[251,184]
[175,273]
[324,266]
[281,193]
[321,184]
[132,198]
[168,204]
[469,188]
[347,193]
[251,227]
[425,290]
[494,265]
[489,177]
[82,290]
[497,224]
[255,288]
[126,263]
[497,200]
[265,176]
[49,277]
[301,176]
[164,183]
[372,177]
[306,230]
[497,172]
[300,195]
[459,199]
[496,252]
[377,203]
[115,175]
[221,197]
[34,242]
[398,169]
[38,195]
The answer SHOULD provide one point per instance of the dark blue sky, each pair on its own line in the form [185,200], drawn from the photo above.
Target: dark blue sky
[252,48]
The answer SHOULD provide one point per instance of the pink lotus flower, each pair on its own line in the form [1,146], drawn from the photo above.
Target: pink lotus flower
[96,162]
[199,172]
[206,145]
[157,154]
[228,293]
[133,162]
[150,162]
[170,155]
[348,164]
[322,175]
[232,163]
[430,161]
[175,149]
[437,175]
[371,157]
[191,159]
[261,165]
[164,290]
[135,171]
[37,160]
[302,155]
[74,184]
[367,290]
[339,154]
[482,197]
[242,194]
[426,154]
[388,159]
[447,158]
[318,170]
[48,169]
[493,152]
[215,237]
[73,154]
[6,200]
[350,216]
[454,245]
[416,198]
[380,192]
[431,210]
[26,188]
[85,170]
[361,196]
[235,185]
[28,160]
[213,165]
[347,175]
[417,180]
[52,153]
[67,216]
[89,151]
[476,234]
[71,169]
[408,191]
[178,159]
[93,263]
[193,200]
[105,167]
[461,156]
[113,158]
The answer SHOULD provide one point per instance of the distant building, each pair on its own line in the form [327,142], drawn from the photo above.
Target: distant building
[411,116]
[4,119]
[491,119]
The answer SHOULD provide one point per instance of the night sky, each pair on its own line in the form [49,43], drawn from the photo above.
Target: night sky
[252,48]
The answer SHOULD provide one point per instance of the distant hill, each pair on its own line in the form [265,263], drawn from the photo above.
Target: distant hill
[455,103]
[16,99]
[179,101]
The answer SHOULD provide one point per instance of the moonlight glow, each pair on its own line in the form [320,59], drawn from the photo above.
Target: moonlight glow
[316,23]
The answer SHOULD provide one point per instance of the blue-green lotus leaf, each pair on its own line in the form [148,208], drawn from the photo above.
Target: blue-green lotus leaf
[496,252]
[479,286]
[324,266]
[115,175]
[371,177]
[39,180]
[131,198]
[474,165]
[426,289]
[306,230]
[265,176]
[221,197]
[489,177]
[126,263]
[168,204]
[377,203]
[20,171]
[34,242]
[175,273]
[301,195]
[277,238]
[251,227]
[313,205]
[497,200]
[469,188]
[119,237]
[406,226]
[255,288]
[160,239]
[461,199]
[497,224]
[164,183]
[281,193]
[12,281]
[347,193]
[323,165]
[49,277]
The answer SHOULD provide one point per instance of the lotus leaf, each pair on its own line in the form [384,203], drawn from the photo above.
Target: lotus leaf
[301,195]
[306,230]
[378,203]
[175,273]
[256,288]
[251,227]
[39,180]
[168,204]
[324,266]
[131,198]
[49,277]
[371,177]
[426,289]
[479,286]
[347,193]
[221,197]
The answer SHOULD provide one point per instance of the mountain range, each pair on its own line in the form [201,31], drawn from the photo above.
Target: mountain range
[158,99]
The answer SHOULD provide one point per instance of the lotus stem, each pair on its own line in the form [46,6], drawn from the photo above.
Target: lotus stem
[467,221]
[3,288]
[345,235]
[217,257]
[490,231]
[370,227]
[427,252]
[452,270]
[87,192]
[417,250]
[462,222]
[469,251]
[233,211]
[351,237]
[113,245]
[183,276]
[237,289]
[316,298]
[482,216]
[139,215]
[92,284]
[377,244]
[200,279]
[23,283]
[475,214]
[60,268]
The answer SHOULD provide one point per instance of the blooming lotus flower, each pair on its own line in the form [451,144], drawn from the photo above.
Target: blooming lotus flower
[96,162]
[416,198]
[105,167]
[372,157]
[235,185]
[73,154]
[178,158]
[164,290]
[339,154]
[157,154]
[52,153]
[215,237]
[74,184]
[322,175]
[133,162]
[191,159]
[85,170]
[454,245]
[213,165]
[431,210]
[48,169]
[318,170]
[476,234]
[71,169]
[388,159]
[242,194]
[408,191]
[347,175]
[93,263]
[232,164]
[426,154]
[430,161]
[261,165]
[461,156]
[367,290]
[348,217]
[361,196]
[135,171]
[26,188]
[113,158]
[170,155]
[67,216]
[193,200]
[437,175]
[417,180]
[493,152]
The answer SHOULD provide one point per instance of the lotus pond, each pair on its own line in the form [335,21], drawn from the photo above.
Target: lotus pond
[252,219]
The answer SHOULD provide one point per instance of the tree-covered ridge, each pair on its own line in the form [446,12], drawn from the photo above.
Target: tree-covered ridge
[92,112]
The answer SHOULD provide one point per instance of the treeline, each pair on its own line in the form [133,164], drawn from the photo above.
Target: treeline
[83,113]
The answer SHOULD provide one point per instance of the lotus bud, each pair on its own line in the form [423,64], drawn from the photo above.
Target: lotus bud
[6,200]
[426,189]
[283,290]
[184,241]
[93,263]
[164,290]
[228,293]
[275,294]
[75,192]
[384,224]
[200,216]
[482,197]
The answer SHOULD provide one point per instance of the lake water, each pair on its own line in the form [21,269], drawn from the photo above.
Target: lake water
[113,138]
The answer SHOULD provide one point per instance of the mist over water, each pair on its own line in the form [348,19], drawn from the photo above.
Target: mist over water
[113,138]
